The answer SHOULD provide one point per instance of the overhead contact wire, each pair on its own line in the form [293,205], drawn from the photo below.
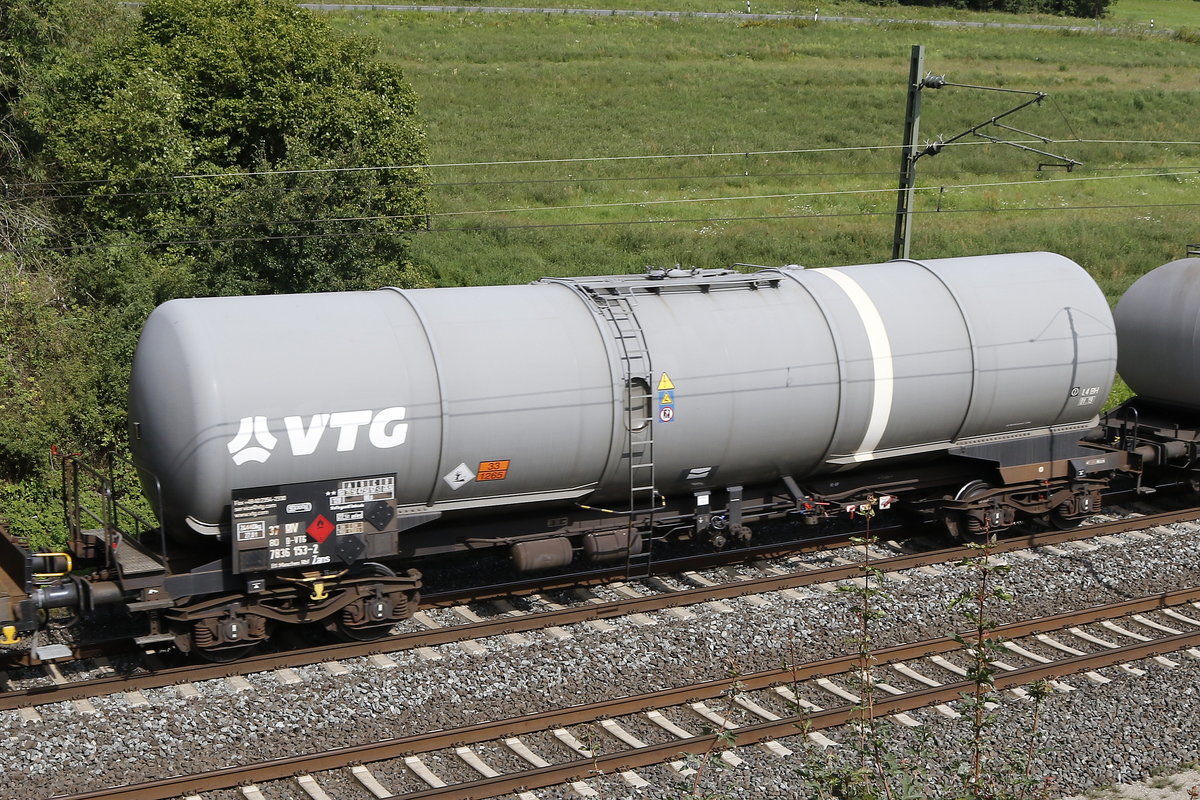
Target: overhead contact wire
[603,224]
[579,160]
[575,180]
[511,182]
[512,163]
[791,195]
[640,203]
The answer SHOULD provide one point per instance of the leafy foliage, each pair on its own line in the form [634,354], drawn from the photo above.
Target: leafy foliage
[1089,8]
[251,96]
[35,33]
[1069,8]
[202,147]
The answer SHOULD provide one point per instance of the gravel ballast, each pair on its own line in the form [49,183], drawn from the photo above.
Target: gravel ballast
[1100,734]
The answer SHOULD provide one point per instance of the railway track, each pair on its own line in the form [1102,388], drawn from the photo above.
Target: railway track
[596,577]
[1152,627]
[468,627]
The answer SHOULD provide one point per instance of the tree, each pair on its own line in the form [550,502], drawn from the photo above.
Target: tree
[34,33]
[103,114]
[277,114]
[1070,8]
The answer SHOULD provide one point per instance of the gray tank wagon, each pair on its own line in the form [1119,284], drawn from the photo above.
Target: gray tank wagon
[302,450]
[743,378]
[1158,324]
[1158,321]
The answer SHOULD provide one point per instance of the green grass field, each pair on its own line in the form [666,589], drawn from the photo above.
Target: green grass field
[1165,13]
[558,89]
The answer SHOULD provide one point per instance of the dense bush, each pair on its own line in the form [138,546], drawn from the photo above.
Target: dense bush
[104,113]
[219,89]
[1092,9]
[1070,8]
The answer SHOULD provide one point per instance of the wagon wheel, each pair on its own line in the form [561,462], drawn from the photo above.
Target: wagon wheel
[1060,521]
[195,640]
[958,523]
[361,633]
[345,626]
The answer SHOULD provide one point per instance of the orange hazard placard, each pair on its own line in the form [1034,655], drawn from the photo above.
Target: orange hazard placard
[492,470]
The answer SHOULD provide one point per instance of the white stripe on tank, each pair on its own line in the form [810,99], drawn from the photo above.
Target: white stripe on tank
[881,360]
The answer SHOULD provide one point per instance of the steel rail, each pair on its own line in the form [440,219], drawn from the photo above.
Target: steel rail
[535,621]
[663,567]
[575,770]
[789,726]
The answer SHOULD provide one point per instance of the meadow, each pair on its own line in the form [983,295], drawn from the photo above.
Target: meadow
[712,142]
[1134,14]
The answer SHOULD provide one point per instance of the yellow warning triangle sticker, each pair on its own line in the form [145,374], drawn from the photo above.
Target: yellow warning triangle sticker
[666,398]
[664,383]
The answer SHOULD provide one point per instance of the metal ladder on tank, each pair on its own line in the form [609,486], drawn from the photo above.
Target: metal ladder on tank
[639,423]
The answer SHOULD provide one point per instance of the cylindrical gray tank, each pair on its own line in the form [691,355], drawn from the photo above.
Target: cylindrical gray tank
[1158,326]
[499,396]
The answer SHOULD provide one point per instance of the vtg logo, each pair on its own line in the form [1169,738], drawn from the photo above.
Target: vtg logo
[384,429]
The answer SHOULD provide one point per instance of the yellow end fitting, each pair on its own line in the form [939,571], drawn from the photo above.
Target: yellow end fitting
[318,592]
[65,556]
[10,635]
